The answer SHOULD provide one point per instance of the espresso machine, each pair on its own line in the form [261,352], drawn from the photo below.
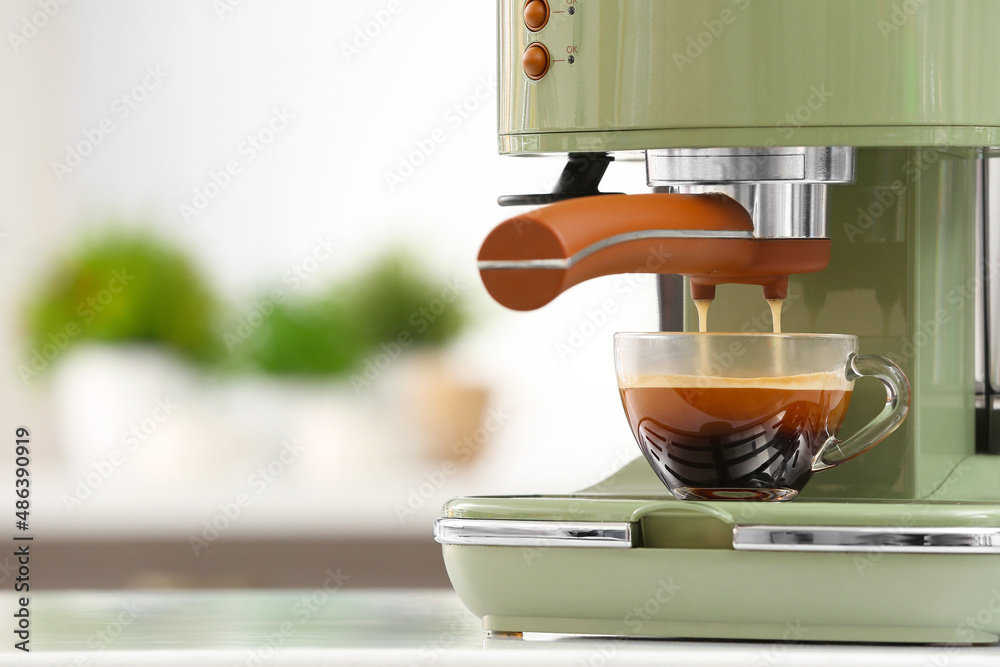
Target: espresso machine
[835,153]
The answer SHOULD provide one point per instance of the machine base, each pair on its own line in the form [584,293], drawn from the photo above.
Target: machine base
[635,564]
[733,595]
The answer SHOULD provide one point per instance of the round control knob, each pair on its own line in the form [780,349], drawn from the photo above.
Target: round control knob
[536,61]
[536,14]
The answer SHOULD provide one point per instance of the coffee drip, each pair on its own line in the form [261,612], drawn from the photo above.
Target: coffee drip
[704,304]
[776,305]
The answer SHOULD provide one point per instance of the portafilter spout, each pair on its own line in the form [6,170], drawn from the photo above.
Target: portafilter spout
[720,215]
[529,260]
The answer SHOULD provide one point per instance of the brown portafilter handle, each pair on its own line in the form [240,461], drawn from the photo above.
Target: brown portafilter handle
[529,260]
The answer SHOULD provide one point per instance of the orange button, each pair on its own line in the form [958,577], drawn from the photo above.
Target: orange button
[536,61]
[536,14]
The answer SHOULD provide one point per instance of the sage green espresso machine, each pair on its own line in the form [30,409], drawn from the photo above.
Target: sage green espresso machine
[858,137]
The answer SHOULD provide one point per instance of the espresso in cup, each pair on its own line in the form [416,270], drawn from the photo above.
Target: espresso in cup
[748,416]
[727,438]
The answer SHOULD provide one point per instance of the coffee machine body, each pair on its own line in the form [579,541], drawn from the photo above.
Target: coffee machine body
[901,545]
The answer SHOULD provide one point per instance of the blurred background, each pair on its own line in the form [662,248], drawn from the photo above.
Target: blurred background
[241,315]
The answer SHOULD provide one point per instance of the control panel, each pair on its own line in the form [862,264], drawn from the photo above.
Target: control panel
[538,58]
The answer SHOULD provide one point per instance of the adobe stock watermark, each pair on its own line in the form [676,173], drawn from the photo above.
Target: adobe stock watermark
[378,22]
[802,114]
[103,639]
[121,108]
[87,311]
[223,8]
[230,511]
[984,620]
[577,510]
[535,549]
[636,622]
[600,481]
[902,13]
[303,610]
[464,449]
[411,159]
[794,632]
[33,24]
[252,146]
[419,321]
[970,631]
[296,276]
[636,619]
[698,43]
[956,301]
[885,198]
[908,517]
[462,624]
[594,320]
[131,440]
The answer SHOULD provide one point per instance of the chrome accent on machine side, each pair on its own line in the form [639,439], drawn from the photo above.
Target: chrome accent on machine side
[868,539]
[515,533]
[981,371]
[994,428]
[726,166]
[991,272]
[670,293]
[563,264]
[987,297]
[778,210]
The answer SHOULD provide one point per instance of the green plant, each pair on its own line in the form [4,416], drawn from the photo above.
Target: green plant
[331,333]
[396,296]
[126,287]
[317,337]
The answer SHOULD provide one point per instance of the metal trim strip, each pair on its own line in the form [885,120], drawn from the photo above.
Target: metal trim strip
[564,264]
[916,540]
[515,533]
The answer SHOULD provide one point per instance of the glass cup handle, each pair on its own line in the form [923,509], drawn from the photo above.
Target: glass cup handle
[897,403]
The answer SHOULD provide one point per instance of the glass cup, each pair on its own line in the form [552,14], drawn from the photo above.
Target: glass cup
[748,416]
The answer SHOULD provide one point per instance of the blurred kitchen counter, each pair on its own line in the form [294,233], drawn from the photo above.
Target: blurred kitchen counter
[330,626]
[144,563]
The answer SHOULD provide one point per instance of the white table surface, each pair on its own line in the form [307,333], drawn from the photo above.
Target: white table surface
[345,627]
